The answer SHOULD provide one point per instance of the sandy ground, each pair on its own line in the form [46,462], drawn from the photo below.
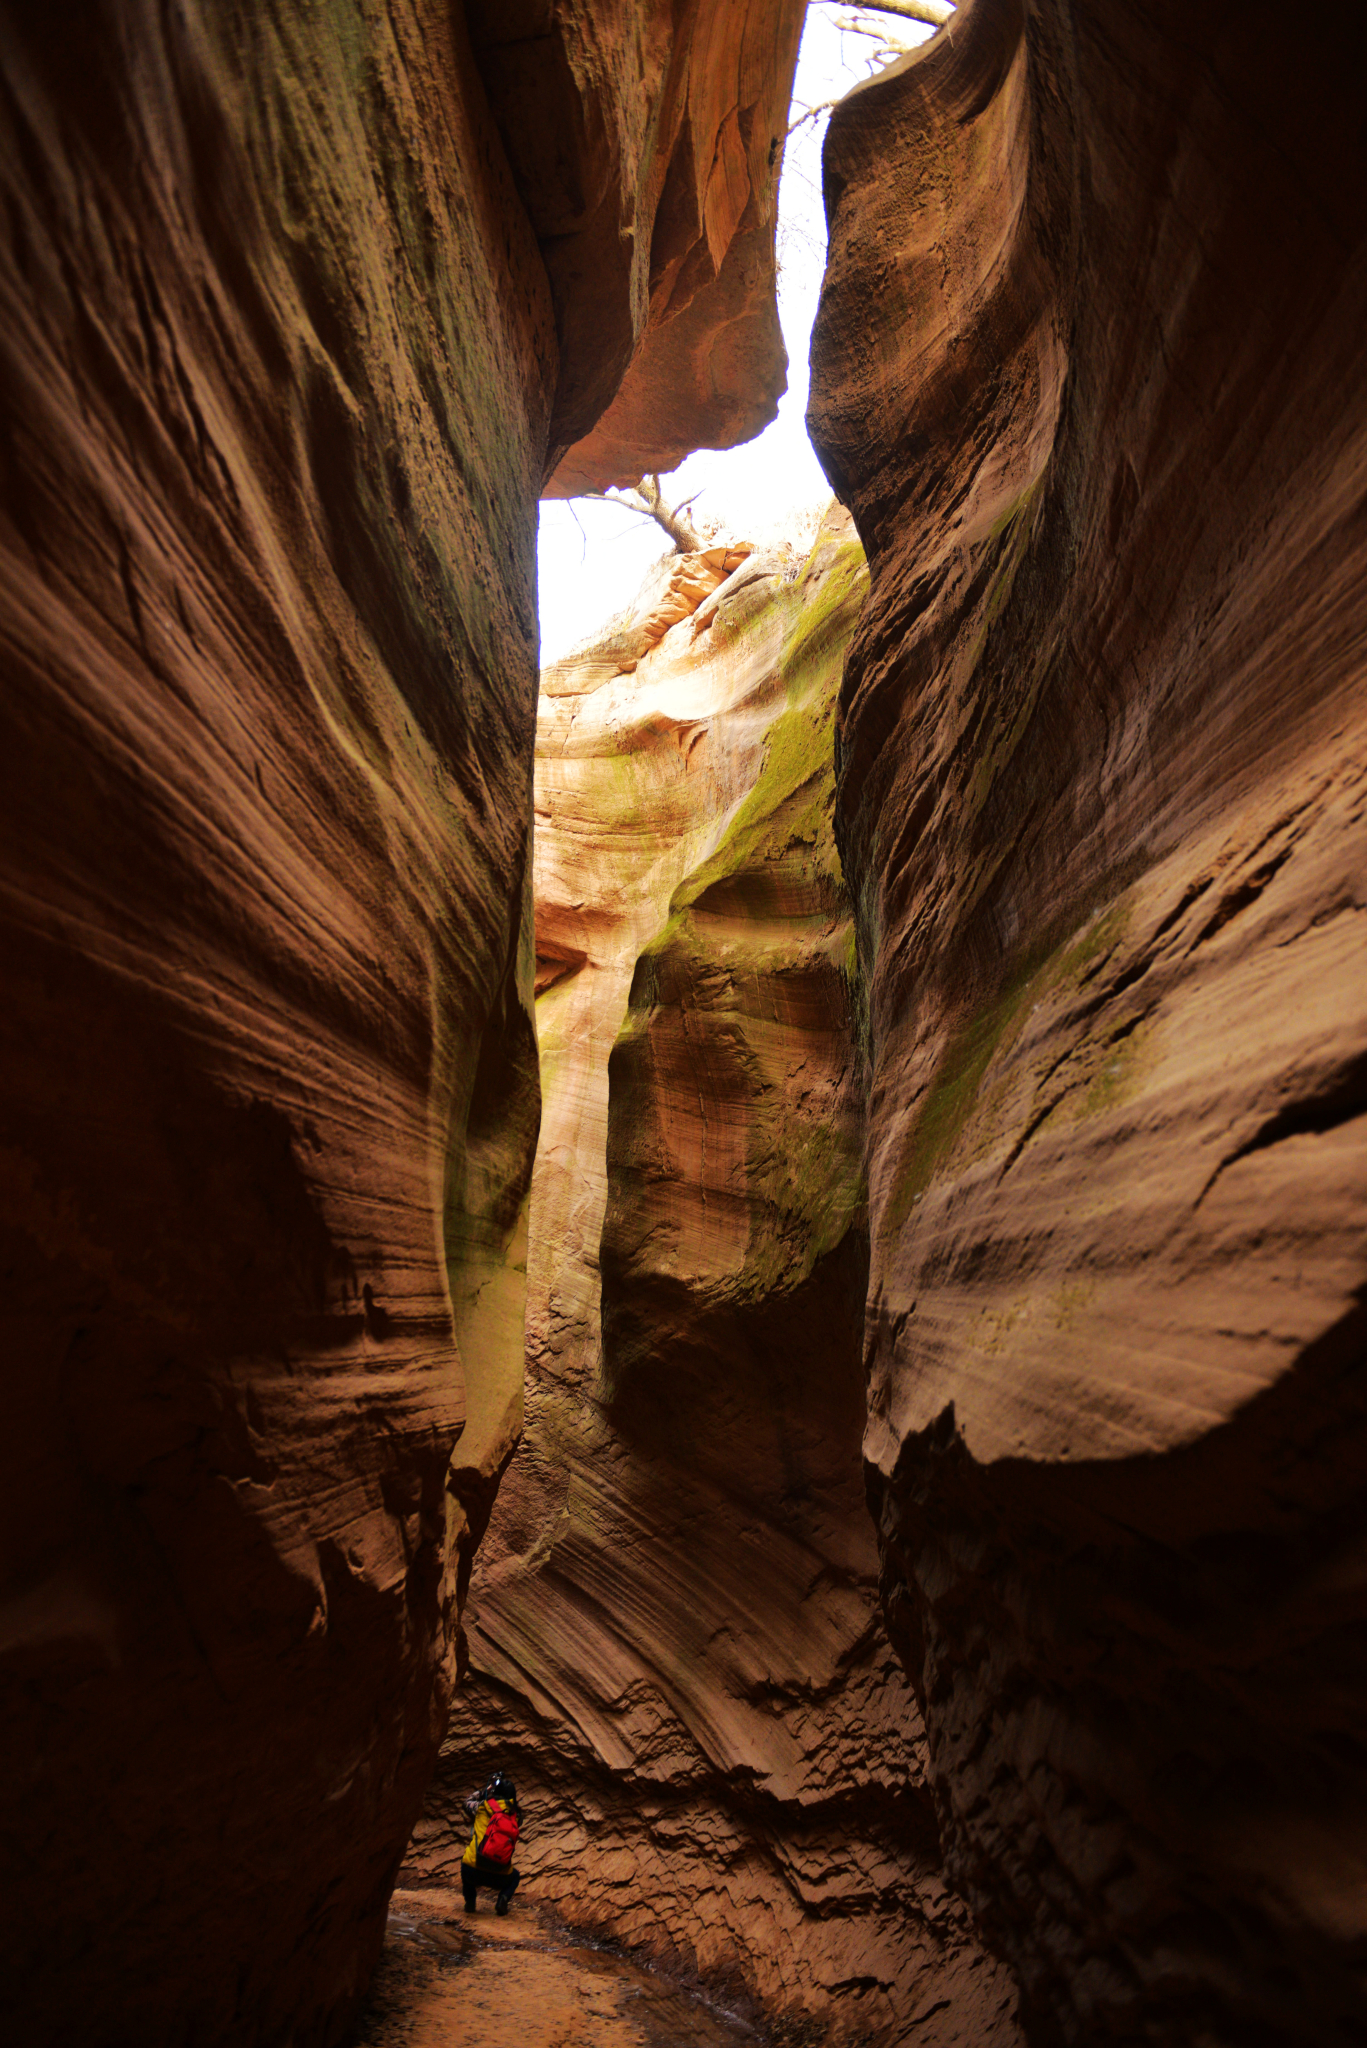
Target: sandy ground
[452,1980]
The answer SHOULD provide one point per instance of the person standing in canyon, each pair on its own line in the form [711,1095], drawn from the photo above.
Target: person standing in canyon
[488,1858]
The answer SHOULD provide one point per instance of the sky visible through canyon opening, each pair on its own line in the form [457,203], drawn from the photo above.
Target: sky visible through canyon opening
[591,556]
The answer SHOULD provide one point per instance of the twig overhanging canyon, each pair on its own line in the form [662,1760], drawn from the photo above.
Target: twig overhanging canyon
[646,497]
[934,12]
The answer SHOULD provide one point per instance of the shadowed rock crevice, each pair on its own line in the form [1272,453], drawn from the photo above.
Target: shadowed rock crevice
[1195,1697]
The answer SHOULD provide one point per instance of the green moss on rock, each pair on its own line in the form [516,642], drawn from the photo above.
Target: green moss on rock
[1099,1077]
[761,928]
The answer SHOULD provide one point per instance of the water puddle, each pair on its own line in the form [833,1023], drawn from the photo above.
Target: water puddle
[451,1980]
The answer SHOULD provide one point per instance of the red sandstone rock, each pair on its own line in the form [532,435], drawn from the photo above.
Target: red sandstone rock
[280,361]
[674,1640]
[664,284]
[1088,371]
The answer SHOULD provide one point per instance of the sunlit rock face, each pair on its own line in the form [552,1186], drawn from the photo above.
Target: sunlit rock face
[283,367]
[1088,370]
[675,1640]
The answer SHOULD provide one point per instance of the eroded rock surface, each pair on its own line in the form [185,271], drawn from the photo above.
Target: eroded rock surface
[283,371]
[1088,371]
[681,330]
[675,1642]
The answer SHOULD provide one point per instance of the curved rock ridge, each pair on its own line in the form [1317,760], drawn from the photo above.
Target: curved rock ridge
[680,331]
[1088,372]
[675,1641]
[281,364]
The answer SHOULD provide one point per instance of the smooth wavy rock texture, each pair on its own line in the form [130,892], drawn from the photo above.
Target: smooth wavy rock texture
[1088,371]
[282,365]
[675,1643]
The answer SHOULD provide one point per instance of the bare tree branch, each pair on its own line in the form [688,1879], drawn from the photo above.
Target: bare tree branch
[583,537]
[647,498]
[935,12]
[812,114]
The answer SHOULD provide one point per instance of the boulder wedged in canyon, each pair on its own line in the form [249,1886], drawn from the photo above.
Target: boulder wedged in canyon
[281,360]
[674,1639]
[1088,372]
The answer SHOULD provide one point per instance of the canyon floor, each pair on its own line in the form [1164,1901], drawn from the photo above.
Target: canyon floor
[523,1982]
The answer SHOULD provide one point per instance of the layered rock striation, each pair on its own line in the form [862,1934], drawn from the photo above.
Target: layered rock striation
[1088,373]
[674,1641]
[285,363]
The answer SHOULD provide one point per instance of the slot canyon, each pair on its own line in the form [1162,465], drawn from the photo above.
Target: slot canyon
[764,1225]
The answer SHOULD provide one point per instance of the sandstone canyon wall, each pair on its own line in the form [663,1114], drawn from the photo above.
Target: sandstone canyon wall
[289,345]
[674,1638]
[1089,373]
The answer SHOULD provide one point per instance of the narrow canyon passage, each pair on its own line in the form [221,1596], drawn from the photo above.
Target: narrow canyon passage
[761,1226]
[674,1637]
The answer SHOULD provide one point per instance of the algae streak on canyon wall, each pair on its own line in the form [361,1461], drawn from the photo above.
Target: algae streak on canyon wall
[674,1636]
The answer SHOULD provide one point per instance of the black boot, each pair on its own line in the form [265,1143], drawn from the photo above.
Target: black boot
[502,1903]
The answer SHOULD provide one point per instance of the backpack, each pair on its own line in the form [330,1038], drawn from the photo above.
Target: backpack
[500,1837]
